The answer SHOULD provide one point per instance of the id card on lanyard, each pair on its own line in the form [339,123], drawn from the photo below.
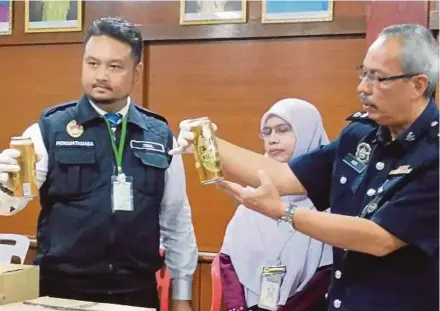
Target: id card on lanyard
[122,186]
[272,278]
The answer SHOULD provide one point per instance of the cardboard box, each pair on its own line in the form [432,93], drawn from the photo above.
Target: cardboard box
[18,283]
[50,303]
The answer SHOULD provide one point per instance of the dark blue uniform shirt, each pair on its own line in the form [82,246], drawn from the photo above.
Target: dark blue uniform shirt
[395,184]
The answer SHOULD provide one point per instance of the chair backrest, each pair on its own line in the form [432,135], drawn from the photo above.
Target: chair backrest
[216,302]
[163,284]
[13,245]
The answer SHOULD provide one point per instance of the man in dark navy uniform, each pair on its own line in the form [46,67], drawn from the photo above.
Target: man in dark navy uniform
[380,177]
[109,190]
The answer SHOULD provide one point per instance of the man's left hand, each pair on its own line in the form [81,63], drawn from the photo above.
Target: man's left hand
[265,199]
[181,305]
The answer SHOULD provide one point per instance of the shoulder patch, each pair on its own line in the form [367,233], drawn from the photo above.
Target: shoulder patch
[151,114]
[359,117]
[60,107]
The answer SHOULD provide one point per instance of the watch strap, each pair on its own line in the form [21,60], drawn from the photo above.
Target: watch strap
[288,213]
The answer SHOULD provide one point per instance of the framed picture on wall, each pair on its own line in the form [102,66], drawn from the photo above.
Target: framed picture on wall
[199,12]
[5,17]
[53,15]
[296,11]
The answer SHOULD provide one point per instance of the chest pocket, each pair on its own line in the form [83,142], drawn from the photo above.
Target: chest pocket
[345,182]
[76,170]
[154,164]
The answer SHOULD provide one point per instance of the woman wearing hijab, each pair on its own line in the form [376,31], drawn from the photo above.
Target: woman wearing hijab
[290,128]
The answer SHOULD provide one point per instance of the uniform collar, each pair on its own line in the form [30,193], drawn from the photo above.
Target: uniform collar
[417,130]
[101,112]
[88,111]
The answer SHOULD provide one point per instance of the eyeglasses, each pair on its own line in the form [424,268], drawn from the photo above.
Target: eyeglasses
[371,77]
[280,130]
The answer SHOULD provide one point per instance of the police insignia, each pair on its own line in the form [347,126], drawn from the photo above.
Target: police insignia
[410,136]
[74,129]
[371,207]
[403,169]
[363,152]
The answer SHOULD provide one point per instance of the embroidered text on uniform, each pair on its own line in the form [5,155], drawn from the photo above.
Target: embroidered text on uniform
[74,143]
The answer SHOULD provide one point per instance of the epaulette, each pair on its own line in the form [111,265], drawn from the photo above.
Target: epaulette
[434,130]
[359,117]
[151,114]
[59,107]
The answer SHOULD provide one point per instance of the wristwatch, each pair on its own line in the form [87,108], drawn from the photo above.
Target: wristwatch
[285,221]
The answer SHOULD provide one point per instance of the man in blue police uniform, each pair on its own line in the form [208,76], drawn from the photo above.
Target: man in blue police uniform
[109,190]
[380,177]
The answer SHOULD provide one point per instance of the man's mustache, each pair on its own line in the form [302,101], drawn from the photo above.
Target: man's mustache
[366,100]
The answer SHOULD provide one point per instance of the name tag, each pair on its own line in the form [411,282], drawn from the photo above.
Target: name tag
[74,143]
[147,145]
[354,163]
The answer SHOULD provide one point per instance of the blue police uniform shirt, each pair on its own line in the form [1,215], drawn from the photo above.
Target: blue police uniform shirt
[80,238]
[395,184]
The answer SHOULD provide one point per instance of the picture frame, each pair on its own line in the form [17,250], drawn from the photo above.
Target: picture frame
[53,16]
[203,12]
[5,17]
[296,11]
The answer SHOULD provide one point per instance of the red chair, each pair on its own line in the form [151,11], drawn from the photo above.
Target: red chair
[216,302]
[163,284]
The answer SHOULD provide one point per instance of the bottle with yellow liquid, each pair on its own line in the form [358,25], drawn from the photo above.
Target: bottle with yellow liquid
[206,155]
[24,182]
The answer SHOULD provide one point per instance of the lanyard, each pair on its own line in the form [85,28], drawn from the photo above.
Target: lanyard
[118,152]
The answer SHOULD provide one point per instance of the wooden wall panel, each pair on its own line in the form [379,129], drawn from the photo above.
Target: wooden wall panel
[384,13]
[234,82]
[35,77]
[196,289]
[205,286]
[159,20]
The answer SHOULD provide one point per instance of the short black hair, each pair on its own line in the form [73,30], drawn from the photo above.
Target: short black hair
[121,30]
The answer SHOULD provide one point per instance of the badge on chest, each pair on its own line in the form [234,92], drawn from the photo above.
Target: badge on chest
[359,161]
[363,152]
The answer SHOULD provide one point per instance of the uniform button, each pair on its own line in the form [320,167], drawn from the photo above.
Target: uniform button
[338,274]
[343,180]
[434,123]
[380,166]
[110,267]
[337,303]
[371,192]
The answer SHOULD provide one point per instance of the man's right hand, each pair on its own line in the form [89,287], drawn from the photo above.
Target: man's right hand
[8,164]
[186,136]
